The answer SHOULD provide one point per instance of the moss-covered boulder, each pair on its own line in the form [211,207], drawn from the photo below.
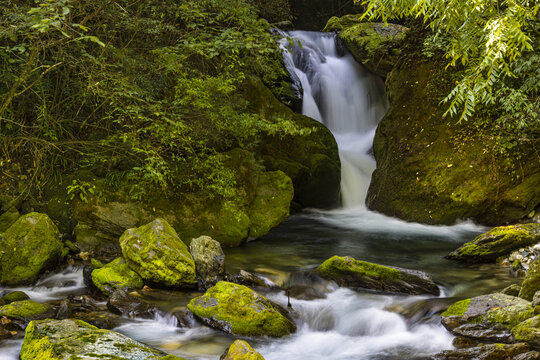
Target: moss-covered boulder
[240,350]
[353,273]
[8,218]
[497,242]
[528,331]
[13,296]
[238,310]
[209,261]
[376,45]
[494,308]
[30,246]
[96,241]
[75,339]
[531,284]
[25,310]
[433,169]
[489,351]
[156,253]
[116,275]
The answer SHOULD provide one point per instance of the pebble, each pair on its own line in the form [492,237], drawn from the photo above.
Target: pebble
[525,256]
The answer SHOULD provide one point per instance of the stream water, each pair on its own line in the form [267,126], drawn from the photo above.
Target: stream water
[337,323]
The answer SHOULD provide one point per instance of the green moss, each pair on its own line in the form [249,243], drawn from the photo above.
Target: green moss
[336,267]
[241,350]
[13,296]
[116,275]
[531,284]
[528,330]
[8,218]
[240,311]
[457,309]
[156,253]
[96,264]
[23,310]
[509,316]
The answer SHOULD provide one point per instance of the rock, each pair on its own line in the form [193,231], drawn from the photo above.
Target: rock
[305,292]
[30,246]
[494,308]
[252,280]
[70,339]
[375,45]
[528,331]
[209,261]
[531,284]
[485,352]
[184,318]
[239,310]
[433,169]
[8,218]
[421,309]
[93,240]
[124,304]
[353,273]
[13,296]
[240,350]
[464,343]
[536,302]
[530,355]
[485,332]
[512,290]
[96,264]
[156,253]
[497,242]
[116,275]
[64,309]
[25,310]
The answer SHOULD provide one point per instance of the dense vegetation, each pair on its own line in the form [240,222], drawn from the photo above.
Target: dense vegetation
[148,92]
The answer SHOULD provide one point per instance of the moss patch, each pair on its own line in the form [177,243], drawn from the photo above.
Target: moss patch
[336,267]
[457,309]
[241,350]
[531,284]
[116,275]
[24,310]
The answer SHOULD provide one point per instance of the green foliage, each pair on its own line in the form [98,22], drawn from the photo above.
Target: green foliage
[491,42]
[146,91]
[83,189]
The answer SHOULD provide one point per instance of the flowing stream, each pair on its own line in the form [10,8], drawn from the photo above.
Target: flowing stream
[336,323]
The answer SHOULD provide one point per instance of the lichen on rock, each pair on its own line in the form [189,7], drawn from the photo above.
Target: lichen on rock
[531,284]
[238,310]
[240,350]
[116,275]
[24,310]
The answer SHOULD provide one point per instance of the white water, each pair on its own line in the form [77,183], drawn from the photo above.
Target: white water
[345,97]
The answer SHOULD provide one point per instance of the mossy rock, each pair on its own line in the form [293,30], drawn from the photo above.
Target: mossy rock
[376,45]
[531,284]
[240,350]
[25,310]
[528,331]
[75,339]
[30,246]
[349,272]
[8,218]
[238,310]
[486,351]
[498,242]
[433,169]
[209,261]
[494,308]
[13,296]
[116,275]
[96,241]
[156,253]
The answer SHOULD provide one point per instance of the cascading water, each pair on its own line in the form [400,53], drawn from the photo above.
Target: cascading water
[345,97]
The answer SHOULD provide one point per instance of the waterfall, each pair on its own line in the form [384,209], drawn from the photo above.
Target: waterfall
[345,97]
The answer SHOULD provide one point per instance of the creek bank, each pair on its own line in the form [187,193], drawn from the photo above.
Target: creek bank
[349,272]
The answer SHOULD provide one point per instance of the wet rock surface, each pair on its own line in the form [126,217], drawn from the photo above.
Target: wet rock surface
[209,261]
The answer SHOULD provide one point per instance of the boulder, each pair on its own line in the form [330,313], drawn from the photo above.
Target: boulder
[349,272]
[25,310]
[238,310]
[30,246]
[528,331]
[494,308]
[433,169]
[124,304]
[531,284]
[375,45]
[13,296]
[8,218]
[240,350]
[536,302]
[485,352]
[512,290]
[70,339]
[156,253]
[96,241]
[209,261]
[497,242]
[485,332]
[116,275]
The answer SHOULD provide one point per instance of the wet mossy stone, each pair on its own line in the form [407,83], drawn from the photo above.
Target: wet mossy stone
[240,350]
[116,275]
[494,308]
[531,284]
[209,261]
[8,218]
[528,331]
[349,272]
[158,255]
[30,246]
[25,310]
[92,240]
[497,242]
[76,339]
[489,351]
[238,310]
[13,296]
[376,45]
[512,290]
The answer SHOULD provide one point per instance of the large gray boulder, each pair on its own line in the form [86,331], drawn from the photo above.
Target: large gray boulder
[209,261]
